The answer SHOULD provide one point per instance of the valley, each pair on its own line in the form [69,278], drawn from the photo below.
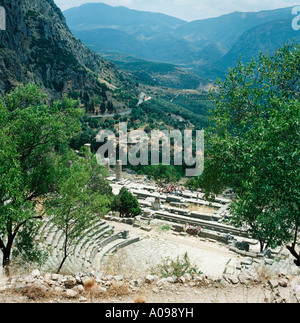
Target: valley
[205,47]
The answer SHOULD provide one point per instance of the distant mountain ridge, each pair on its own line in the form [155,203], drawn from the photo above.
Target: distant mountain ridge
[100,15]
[263,38]
[206,47]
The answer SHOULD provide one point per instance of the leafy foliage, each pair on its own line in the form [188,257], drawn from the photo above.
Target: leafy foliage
[35,165]
[81,196]
[163,173]
[26,249]
[253,146]
[126,204]
[179,267]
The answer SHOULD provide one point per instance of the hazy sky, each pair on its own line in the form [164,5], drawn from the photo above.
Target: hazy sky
[188,9]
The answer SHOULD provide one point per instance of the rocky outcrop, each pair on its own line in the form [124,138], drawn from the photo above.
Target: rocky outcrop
[45,286]
[38,47]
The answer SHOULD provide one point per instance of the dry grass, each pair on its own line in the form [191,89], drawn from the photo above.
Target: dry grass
[91,288]
[118,289]
[205,292]
[140,300]
[36,294]
[263,274]
[92,292]
[89,284]
[118,264]
[202,209]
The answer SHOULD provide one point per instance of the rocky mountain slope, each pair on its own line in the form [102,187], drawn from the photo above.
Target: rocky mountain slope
[156,73]
[38,47]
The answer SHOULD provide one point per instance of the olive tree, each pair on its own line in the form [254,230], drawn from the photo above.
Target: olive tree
[82,196]
[253,147]
[31,132]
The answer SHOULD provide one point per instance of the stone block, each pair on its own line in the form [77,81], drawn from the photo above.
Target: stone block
[269,262]
[36,273]
[283,282]
[251,254]
[232,279]
[146,228]
[70,293]
[247,261]
[177,227]
[149,279]
[273,283]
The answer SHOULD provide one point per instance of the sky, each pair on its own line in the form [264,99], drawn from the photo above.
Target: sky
[188,9]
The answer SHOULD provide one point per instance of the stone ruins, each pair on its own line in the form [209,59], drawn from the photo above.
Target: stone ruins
[208,223]
[186,207]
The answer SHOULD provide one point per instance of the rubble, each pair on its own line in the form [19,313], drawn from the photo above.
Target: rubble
[71,287]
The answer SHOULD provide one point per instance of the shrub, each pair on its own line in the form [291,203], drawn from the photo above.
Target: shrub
[126,204]
[177,268]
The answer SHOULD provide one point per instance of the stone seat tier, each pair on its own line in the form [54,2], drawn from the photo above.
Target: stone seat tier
[214,226]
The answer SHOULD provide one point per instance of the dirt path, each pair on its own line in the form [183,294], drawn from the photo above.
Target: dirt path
[155,246]
[190,241]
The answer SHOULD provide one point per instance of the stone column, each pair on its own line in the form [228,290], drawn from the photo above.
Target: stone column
[119,174]
[88,146]
[107,164]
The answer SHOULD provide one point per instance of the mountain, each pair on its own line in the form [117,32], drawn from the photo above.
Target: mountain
[226,29]
[264,38]
[99,15]
[136,33]
[161,47]
[146,35]
[205,47]
[38,47]
[156,73]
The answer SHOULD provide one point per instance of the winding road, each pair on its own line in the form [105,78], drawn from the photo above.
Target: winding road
[111,115]
[142,98]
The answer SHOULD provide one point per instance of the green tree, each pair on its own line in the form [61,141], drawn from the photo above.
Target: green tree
[26,251]
[253,147]
[126,204]
[147,129]
[163,173]
[92,106]
[102,108]
[31,133]
[110,107]
[86,97]
[82,195]
[192,184]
